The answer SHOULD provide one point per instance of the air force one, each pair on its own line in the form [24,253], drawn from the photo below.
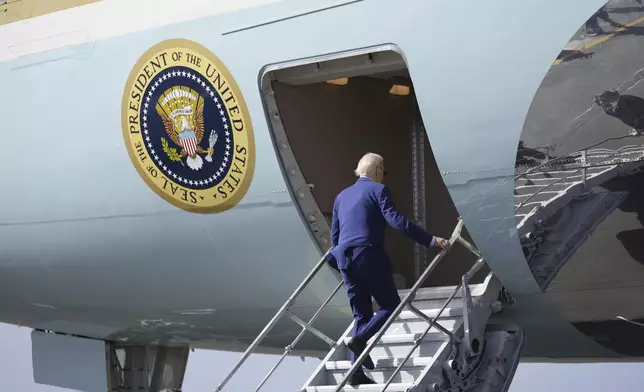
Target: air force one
[169,170]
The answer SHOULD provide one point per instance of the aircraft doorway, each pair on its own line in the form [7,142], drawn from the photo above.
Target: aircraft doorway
[326,114]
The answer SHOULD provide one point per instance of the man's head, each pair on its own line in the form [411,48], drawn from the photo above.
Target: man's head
[372,166]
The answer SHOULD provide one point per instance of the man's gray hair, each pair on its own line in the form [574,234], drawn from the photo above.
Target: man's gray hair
[368,165]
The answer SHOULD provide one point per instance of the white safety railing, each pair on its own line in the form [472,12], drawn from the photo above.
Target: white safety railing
[579,161]
[285,310]
[433,322]
[573,156]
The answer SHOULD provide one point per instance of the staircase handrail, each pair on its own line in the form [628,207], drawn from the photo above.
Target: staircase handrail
[285,310]
[584,152]
[433,322]
[570,154]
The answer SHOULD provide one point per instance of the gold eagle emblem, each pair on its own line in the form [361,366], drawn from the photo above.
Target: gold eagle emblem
[182,111]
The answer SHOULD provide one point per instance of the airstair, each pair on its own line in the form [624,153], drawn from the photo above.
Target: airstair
[438,339]
[558,204]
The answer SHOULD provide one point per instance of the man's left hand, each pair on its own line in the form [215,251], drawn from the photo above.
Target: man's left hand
[443,244]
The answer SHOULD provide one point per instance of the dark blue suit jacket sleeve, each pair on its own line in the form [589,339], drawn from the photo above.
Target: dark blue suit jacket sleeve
[398,221]
[335,237]
[335,225]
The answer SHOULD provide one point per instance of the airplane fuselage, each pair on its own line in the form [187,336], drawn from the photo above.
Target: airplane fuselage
[102,237]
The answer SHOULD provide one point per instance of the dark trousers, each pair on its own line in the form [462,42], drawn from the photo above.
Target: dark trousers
[369,275]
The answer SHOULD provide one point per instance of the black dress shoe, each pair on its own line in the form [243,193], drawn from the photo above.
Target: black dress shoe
[357,346]
[360,379]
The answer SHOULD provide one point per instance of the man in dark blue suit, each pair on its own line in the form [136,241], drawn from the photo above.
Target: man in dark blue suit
[360,215]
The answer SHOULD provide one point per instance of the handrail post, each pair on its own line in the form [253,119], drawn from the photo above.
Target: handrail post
[455,234]
[276,318]
[584,171]
[295,341]
[467,317]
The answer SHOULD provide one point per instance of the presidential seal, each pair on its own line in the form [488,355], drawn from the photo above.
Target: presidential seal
[187,128]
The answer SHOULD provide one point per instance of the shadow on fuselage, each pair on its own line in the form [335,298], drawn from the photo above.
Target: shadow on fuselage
[633,239]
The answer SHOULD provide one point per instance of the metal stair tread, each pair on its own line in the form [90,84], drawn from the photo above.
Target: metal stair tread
[382,363]
[397,338]
[402,387]
[443,292]
[449,312]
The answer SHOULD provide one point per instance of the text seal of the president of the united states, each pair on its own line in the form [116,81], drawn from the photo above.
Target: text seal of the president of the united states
[187,128]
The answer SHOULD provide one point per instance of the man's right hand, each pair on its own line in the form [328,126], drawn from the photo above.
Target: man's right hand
[442,243]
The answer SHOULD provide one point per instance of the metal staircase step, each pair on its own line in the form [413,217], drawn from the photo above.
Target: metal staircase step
[399,345]
[410,337]
[542,197]
[428,305]
[403,387]
[385,367]
[447,313]
[442,292]
[526,211]
[381,363]
[436,298]
[531,189]
[552,174]
[401,338]
[417,325]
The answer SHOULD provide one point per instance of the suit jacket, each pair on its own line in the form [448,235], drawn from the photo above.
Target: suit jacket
[361,213]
